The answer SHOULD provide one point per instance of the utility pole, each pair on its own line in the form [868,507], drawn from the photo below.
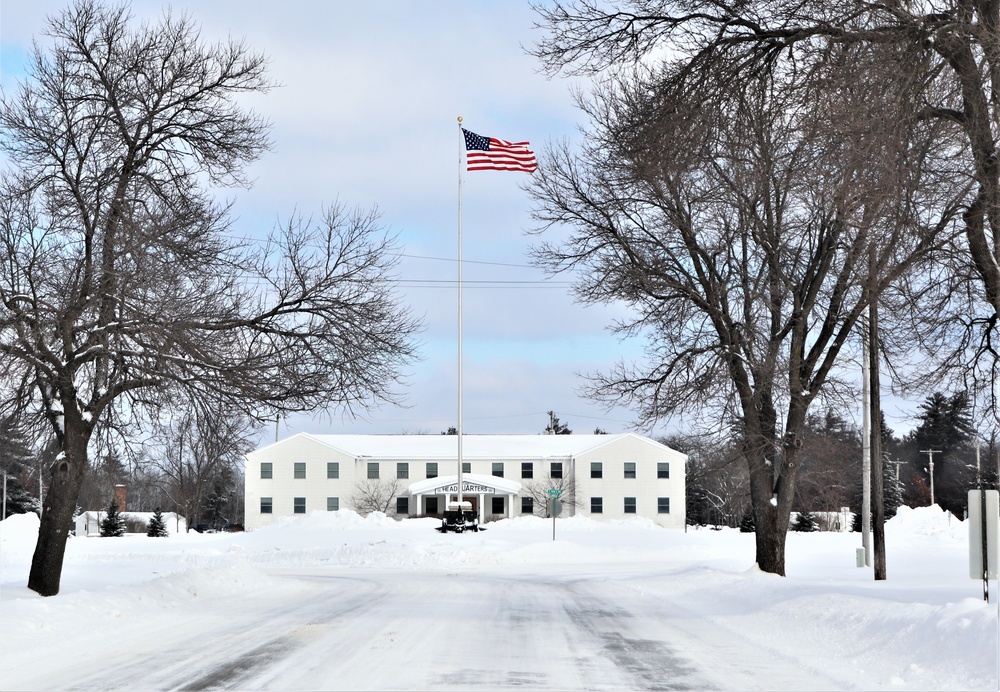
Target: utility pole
[875,444]
[979,471]
[897,464]
[930,453]
[866,438]
[876,486]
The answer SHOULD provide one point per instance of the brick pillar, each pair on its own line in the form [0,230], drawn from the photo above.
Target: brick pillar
[120,497]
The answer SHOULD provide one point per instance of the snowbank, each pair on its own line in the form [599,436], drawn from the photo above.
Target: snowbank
[924,628]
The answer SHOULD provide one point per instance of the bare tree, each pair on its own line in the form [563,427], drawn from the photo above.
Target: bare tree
[121,289]
[198,449]
[949,52]
[538,491]
[376,495]
[737,218]
[830,475]
[716,482]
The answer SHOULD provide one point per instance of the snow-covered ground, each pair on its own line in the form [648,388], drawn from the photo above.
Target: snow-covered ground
[336,601]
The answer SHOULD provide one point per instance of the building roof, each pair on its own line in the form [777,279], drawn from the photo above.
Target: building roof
[473,446]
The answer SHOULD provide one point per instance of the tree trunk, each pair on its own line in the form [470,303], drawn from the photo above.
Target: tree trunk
[770,507]
[771,530]
[68,473]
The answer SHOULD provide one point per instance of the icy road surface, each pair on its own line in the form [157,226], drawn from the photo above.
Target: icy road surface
[333,601]
[387,629]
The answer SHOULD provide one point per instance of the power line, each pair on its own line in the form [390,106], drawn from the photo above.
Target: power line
[499,283]
[465,261]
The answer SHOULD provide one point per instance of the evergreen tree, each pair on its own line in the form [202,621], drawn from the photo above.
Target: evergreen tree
[892,487]
[748,525]
[946,426]
[20,500]
[555,427]
[805,522]
[856,523]
[113,524]
[945,422]
[17,462]
[157,527]
[215,506]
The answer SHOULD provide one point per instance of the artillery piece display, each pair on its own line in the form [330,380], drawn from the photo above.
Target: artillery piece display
[459,517]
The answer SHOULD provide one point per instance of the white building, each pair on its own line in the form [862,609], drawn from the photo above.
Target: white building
[611,476]
[89,523]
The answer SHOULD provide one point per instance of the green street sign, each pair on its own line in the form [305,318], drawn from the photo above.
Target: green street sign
[555,492]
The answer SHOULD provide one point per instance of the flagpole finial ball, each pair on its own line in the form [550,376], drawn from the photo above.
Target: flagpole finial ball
[459,118]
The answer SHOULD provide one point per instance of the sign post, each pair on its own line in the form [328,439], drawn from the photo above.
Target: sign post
[555,507]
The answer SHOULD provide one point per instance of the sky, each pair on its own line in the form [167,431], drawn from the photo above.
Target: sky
[332,600]
[366,115]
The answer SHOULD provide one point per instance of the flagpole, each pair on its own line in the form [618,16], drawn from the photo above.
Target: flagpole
[459,429]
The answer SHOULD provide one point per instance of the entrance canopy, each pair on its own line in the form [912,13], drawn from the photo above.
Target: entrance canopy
[474,487]
[472,484]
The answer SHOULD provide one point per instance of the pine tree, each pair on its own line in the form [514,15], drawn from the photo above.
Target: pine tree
[157,528]
[805,522]
[947,427]
[748,524]
[555,427]
[16,461]
[113,524]
[892,486]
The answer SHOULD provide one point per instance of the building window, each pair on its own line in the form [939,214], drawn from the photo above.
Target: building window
[596,469]
[402,505]
[402,470]
[432,469]
[266,469]
[333,469]
[466,467]
[555,471]
[373,470]
[663,505]
[300,469]
[300,505]
[630,469]
[498,469]
[527,505]
[663,469]
[265,505]
[430,505]
[629,505]
[527,470]
[597,505]
[497,505]
[332,504]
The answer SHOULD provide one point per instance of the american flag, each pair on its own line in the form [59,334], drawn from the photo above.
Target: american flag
[492,154]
